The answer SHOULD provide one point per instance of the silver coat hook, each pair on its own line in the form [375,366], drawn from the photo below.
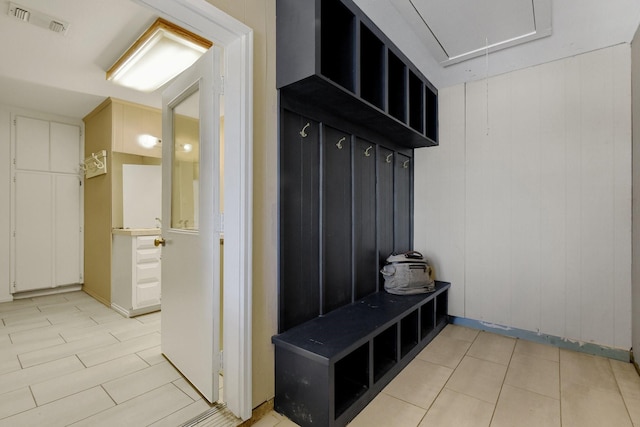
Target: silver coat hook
[388,159]
[405,164]
[367,152]
[302,132]
[339,143]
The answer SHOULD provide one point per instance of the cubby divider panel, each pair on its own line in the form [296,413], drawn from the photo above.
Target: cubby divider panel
[337,42]
[442,305]
[427,319]
[351,378]
[385,352]
[416,103]
[372,67]
[408,333]
[397,87]
[431,115]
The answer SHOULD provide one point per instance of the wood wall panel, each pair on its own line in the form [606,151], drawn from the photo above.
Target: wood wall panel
[364,219]
[547,221]
[385,204]
[439,197]
[299,220]
[553,189]
[337,279]
[345,205]
[403,168]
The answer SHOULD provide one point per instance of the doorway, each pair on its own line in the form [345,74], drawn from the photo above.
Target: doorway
[236,39]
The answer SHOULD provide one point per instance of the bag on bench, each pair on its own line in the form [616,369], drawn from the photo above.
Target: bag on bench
[408,273]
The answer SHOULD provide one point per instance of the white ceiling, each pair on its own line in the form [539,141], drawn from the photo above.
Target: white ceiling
[578,26]
[65,75]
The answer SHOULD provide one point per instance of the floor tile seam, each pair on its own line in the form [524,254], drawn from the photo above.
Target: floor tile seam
[471,396]
[115,344]
[91,386]
[624,400]
[141,394]
[504,377]
[595,386]
[25,410]
[531,391]
[438,395]
[65,397]
[56,357]
[391,396]
[536,356]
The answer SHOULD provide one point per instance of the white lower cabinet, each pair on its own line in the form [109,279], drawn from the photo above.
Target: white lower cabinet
[135,275]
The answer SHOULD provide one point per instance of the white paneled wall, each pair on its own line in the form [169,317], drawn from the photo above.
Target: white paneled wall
[5,193]
[526,204]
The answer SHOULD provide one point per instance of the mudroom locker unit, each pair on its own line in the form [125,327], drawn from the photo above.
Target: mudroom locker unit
[352,110]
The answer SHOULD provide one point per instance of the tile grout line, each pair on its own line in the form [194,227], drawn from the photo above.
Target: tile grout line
[624,399]
[448,379]
[560,382]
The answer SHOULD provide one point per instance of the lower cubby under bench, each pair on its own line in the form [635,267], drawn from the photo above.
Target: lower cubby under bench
[329,368]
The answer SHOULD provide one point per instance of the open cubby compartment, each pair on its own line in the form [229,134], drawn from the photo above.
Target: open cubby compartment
[397,87]
[408,333]
[427,319]
[351,378]
[337,43]
[385,352]
[442,307]
[416,103]
[372,67]
[431,114]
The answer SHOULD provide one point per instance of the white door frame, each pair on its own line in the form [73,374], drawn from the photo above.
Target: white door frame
[237,41]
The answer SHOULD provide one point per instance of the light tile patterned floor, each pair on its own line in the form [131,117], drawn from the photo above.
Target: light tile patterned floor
[67,359]
[479,379]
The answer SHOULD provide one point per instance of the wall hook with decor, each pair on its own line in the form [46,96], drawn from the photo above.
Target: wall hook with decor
[96,164]
[405,164]
[339,143]
[388,159]
[367,152]
[303,132]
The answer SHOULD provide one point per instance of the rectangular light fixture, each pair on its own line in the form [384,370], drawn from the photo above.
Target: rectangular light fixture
[160,54]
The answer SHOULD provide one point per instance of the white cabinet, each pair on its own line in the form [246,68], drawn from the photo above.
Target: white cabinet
[135,272]
[46,196]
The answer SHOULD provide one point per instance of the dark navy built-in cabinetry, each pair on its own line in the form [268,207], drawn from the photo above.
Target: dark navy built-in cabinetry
[352,110]
[330,55]
[329,368]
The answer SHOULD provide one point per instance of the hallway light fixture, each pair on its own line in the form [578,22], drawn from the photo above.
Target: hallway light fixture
[161,53]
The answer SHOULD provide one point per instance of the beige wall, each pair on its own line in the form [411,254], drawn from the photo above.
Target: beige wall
[260,16]
[97,210]
[526,204]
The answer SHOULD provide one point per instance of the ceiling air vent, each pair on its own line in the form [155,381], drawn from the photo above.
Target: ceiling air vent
[38,18]
[19,13]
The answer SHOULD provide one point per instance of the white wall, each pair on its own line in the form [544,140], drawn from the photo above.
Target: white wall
[526,204]
[5,196]
[635,81]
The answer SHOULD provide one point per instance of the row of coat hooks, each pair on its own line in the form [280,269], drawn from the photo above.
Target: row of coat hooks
[95,164]
[367,151]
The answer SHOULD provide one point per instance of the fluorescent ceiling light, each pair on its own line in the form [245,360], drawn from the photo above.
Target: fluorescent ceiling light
[160,54]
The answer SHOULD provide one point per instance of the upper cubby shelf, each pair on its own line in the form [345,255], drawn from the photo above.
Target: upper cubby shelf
[329,54]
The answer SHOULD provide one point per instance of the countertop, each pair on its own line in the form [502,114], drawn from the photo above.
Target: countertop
[135,231]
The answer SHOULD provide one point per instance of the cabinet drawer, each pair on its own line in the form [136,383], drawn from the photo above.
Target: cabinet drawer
[144,256]
[145,242]
[148,272]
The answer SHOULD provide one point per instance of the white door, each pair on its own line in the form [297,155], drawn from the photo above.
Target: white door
[190,223]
